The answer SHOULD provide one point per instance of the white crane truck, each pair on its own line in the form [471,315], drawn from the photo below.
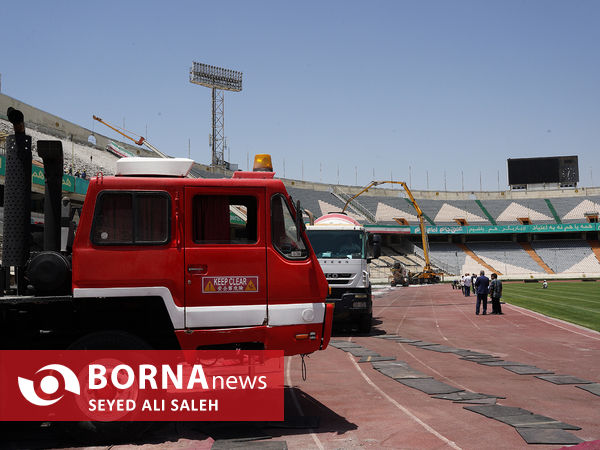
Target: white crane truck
[343,250]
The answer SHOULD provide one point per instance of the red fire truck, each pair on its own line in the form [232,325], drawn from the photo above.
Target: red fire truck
[158,261]
[164,261]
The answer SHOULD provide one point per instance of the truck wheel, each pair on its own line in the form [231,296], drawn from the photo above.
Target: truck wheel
[107,432]
[110,340]
[364,323]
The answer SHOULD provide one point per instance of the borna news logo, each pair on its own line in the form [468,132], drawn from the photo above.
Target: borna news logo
[141,385]
[49,385]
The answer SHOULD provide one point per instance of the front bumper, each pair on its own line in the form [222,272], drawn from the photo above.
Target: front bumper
[351,306]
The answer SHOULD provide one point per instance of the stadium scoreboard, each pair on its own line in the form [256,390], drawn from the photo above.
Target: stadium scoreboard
[563,170]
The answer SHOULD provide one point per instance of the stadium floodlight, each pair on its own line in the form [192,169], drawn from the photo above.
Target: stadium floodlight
[218,79]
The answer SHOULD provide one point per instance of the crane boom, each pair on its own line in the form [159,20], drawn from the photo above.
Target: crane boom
[428,272]
[141,141]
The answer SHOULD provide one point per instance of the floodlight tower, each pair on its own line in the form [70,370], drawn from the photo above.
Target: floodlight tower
[218,80]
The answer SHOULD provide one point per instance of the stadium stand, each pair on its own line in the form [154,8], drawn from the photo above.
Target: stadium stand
[469,231]
[567,256]
[510,211]
[451,255]
[509,258]
[573,210]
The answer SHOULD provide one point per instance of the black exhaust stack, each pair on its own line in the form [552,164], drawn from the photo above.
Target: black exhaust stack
[49,271]
[52,154]
[17,203]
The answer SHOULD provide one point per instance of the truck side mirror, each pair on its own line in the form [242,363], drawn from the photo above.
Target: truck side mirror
[376,246]
[299,221]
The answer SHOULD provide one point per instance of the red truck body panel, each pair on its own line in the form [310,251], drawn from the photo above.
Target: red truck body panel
[215,291]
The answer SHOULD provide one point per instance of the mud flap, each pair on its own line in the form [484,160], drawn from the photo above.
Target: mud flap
[327,325]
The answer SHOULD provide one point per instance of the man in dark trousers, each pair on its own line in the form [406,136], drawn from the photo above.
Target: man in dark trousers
[482,284]
[496,294]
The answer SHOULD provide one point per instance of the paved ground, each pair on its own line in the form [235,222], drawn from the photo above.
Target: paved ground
[346,404]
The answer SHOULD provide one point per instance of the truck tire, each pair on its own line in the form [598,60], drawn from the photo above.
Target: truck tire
[107,432]
[109,340]
[364,323]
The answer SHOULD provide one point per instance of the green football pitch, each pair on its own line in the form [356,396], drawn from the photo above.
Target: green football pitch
[575,301]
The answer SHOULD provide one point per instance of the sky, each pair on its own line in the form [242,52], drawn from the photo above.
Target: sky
[436,93]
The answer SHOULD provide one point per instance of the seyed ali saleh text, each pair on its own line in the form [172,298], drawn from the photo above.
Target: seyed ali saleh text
[154,405]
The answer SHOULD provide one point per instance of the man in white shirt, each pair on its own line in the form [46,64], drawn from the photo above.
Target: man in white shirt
[467,285]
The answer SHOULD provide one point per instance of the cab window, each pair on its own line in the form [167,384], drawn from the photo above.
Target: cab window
[224,219]
[284,233]
[131,218]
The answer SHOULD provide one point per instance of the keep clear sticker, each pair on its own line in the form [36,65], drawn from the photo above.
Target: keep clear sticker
[229,284]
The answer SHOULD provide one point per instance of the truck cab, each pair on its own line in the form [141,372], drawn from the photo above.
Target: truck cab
[177,262]
[342,248]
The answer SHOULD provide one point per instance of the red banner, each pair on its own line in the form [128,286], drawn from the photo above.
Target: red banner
[141,385]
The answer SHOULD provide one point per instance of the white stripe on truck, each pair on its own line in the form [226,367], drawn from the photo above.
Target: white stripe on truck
[216,316]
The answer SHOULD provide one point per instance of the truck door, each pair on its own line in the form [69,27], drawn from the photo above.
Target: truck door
[225,257]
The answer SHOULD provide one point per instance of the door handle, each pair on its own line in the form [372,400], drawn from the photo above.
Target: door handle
[198,270]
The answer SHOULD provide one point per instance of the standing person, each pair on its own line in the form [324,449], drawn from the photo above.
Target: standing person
[467,285]
[496,294]
[482,284]
[473,278]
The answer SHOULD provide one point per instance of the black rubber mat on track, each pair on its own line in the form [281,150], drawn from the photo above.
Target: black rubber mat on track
[501,363]
[480,360]
[526,370]
[344,344]
[360,351]
[465,395]
[393,337]
[562,379]
[463,352]
[478,401]
[480,357]
[422,344]
[440,348]
[370,358]
[400,372]
[593,388]
[429,386]
[495,411]
[379,364]
[535,421]
[548,437]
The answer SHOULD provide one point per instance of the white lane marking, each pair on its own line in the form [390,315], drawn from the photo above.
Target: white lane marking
[400,407]
[288,379]
[437,323]
[469,318]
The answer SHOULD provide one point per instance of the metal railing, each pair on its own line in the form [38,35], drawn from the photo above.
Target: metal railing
[445,267]
[353,205]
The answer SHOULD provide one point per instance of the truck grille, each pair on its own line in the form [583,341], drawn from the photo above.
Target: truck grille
[334,276]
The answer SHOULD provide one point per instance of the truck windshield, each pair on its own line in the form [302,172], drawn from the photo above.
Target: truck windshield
[338,243]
